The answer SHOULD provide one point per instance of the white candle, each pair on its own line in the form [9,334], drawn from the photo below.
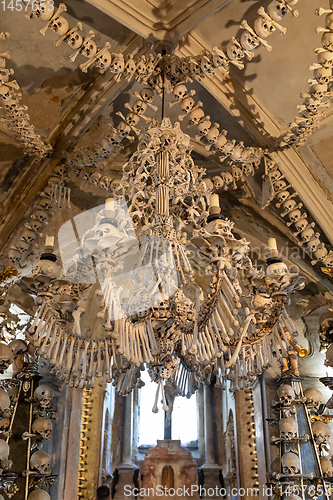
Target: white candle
[214,200]
[272,244]
[109,204]
[49,241]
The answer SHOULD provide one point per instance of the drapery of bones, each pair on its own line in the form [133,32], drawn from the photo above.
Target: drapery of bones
[139,267]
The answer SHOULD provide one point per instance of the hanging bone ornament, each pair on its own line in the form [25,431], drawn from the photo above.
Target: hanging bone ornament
[40,461]
[57,23]
[187,106]
[72,37]
[87,49]
[102,58]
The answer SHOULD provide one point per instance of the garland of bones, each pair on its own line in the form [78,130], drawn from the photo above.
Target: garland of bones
[236,370]
[148,71]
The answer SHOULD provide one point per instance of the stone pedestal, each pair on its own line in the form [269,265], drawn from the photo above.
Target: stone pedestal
[125,482]
[211,482]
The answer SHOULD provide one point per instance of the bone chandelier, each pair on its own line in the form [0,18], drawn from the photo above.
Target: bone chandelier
[174,289]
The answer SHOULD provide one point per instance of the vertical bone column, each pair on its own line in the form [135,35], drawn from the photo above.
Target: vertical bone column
[162,192]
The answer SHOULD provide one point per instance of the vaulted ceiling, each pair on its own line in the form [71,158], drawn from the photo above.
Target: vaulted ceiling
[71,109]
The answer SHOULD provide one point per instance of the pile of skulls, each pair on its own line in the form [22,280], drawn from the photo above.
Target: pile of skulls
[17,118]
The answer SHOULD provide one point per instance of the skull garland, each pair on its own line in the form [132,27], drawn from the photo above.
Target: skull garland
[42,427]
[286,395]
[40,461]
[313,398]
[290,463]
[44,395]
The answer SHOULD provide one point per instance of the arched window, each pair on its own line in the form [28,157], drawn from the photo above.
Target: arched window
[154,426]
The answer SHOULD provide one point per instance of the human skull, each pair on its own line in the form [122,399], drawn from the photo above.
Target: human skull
[118,64]
[326,466]
[218,181]
[179,91]
[44,395]
[133,119]
[147,94]
[323,75]
[275,175]
[5,92]
[43,427]
[28,235]
[14,255]
[319,89]
[234,52]
[321,432]
[18,346]
[301,224]
[89,49]
[4,454]
[288,428]
[44,10]
[307,234]
[314,244]
[59,25]
[74,40]
[187,104]
[94,178]
[263,28]
[40,461]
[6,357]
[283,195]
[327,40]
[213,136]
[237,173]
[204,126]
[295,215]
[139,107]
[290,463]
[104,60]
[325,58]
[105,182]
[5,411]
[279,185]
[328,261]
[228,178]
[248,41]
[195,116]
[40,214]
[321,253]
[39,495]
[313,398]
[236,152]
[277,269]
[289,204]
[123,129]
[286,394]
[277,10]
